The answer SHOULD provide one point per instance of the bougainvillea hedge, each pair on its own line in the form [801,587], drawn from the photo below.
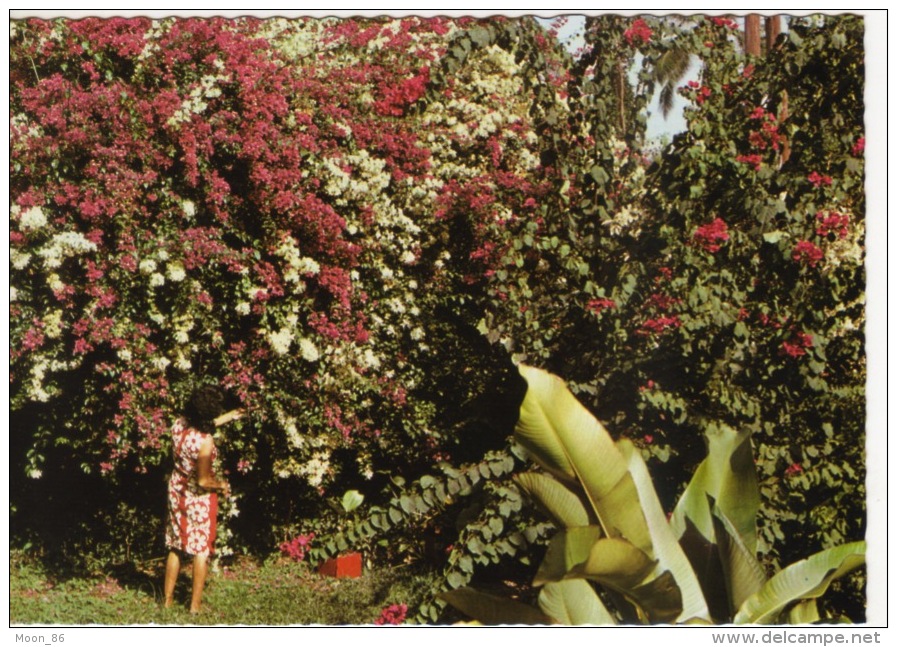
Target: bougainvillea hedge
[357,226]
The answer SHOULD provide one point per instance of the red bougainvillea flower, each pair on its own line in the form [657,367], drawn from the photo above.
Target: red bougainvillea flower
[832,223]
[794,468]
[659,325]
[638,33]
[818,180]
[597,305]
[759,113]
[754,160]
[723,21]
[859,147]
[807,252]
[798,345]
[711,236]
[702,95]
[394,614]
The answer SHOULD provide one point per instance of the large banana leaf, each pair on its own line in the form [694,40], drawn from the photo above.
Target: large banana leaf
[564,506]
[743,574]
[563,437]
[805,612]
[626,570]
[574,602]
[807,579]
[669,553]
[616,563]
[569,548]
[729,476]
[493,609]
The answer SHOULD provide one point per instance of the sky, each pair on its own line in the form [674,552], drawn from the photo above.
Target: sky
[658,125]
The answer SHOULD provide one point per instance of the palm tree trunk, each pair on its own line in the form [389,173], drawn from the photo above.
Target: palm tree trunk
[752,35]
[773,29]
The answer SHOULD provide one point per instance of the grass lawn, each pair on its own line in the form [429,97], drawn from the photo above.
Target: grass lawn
[245,592]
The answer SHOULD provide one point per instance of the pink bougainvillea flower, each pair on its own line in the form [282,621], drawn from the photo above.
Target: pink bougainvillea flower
[754,160]
[723,21]
[712,235]
[702,94]
[297,548]
[758,113]
[818,180]
[659,325]
[638,33]
[832,223]
[597,305]
[859,147]
[394,614]
[794,468]
[798,345]
[807,252]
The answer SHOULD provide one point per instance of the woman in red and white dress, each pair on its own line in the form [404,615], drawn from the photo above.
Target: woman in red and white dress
[193,490]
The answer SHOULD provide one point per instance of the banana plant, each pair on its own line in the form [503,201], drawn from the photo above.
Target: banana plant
[617,558]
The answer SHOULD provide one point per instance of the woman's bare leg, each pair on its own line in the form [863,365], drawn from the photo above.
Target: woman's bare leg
[172,569]
[200,569]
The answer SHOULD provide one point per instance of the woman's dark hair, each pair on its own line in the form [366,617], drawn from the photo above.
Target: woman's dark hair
[206,404]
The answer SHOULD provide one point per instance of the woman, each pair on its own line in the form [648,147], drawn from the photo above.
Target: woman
[193,490]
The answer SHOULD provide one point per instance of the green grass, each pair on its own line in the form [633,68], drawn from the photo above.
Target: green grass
[274,592]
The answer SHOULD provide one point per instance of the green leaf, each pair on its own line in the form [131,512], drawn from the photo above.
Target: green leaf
[493,609]
[559,502]
[669,554]
[616,563]
[574,602]
[563,437]
[599,174]
[743,574]
[351,500]
[395,515]
[806,579]
[568,548]
[481,36]
[775,236]
[729,477]
[805,612]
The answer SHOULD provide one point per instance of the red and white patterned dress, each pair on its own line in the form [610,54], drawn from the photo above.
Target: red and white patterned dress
[192,510]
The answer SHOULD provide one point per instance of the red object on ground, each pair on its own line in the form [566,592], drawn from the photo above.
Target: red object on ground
[348,565]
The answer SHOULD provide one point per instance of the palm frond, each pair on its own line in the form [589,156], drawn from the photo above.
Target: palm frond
[669,70]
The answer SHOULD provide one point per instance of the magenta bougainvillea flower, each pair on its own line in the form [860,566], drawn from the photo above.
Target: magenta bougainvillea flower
[807,252]
[832,222]
[638,33]
[597,305]
[297,548]
[818,180]
[798,345]
[754,160]
[394,614]
[659,325]
[712,235]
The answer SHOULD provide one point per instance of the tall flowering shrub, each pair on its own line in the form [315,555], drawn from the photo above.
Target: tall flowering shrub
[768,180]
[679,287]
[266,204]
